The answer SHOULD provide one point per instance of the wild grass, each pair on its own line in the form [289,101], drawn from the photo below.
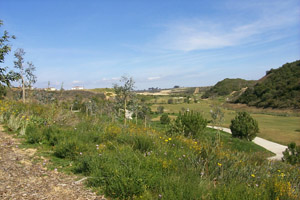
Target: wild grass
[133,162]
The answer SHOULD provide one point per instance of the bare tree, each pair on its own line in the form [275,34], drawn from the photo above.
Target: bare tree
[26,73]
[217,117]
[124,93]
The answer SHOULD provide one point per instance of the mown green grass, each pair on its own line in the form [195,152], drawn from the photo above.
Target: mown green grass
[278,128]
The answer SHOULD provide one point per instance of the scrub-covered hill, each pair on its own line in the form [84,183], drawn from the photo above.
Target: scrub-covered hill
[227,86]
[280,88]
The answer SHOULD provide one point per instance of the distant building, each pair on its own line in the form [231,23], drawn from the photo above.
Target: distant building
[50,89]
[77,88]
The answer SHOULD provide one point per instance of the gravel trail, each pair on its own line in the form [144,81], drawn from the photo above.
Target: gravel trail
[22,176]
[271,146]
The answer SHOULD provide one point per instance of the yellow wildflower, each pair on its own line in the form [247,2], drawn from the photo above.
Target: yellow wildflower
[253,175]
[166,140]
[170,138]
[220,164]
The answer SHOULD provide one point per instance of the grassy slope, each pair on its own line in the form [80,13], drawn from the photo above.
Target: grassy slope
[134,162]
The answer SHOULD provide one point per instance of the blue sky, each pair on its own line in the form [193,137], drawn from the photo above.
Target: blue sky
[158,43]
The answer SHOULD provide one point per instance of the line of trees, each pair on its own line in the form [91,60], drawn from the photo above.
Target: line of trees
[24,73]
[127,102]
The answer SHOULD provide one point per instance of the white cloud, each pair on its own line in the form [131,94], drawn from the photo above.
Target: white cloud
[153,78]
[77,82]
[198,34]
[110,79]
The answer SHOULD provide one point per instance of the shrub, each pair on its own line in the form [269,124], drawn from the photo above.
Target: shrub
[160,109]
[66,149]
[142,143]
[243,126]
[165,119]
[33,134]
[189,124]
[170,101]
[14,123]
[292,154]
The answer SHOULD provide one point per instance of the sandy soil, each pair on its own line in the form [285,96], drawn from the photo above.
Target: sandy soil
[23,178]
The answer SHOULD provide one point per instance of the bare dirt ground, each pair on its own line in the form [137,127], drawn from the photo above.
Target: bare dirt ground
[22,178]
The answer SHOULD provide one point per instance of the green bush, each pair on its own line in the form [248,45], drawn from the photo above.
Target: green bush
[292,154]
[160,109]
[165,119]
[33,134]
[66,149]
[243,126]
[170,101]
[189,124]
[142,143]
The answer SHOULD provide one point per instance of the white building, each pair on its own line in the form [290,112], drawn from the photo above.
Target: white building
[77,88]
[51,89]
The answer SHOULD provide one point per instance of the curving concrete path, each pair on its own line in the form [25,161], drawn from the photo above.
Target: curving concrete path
[271,146]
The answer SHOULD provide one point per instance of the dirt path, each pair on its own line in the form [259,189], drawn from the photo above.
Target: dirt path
[22,178]
[271,146]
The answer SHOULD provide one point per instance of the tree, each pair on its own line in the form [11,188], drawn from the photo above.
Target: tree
[144,113]
[217,117]
[124,93]
[165,119]
[135,106]
[170,101]
[26,73]
[244,126]
[5,48]
[292,154]
[188,124]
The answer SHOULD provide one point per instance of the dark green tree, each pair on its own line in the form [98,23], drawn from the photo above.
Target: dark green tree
[292,154]
[5,48]
[165,119]
[243,126]
[188,124]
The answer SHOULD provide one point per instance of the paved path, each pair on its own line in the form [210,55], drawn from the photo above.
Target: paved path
[271,146]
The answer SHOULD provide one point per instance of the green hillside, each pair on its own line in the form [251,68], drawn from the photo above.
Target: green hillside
[227,86]
[280,88]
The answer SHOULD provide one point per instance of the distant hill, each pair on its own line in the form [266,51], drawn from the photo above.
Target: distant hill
[178,91]
[280,88]
[227,86]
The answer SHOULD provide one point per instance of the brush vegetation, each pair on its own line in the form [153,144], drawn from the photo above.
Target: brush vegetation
[280,88]
[227,86]
[134,162]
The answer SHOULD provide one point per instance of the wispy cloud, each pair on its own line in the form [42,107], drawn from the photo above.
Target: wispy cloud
[153,78]
[110,79]
[199,34]
[77,82]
